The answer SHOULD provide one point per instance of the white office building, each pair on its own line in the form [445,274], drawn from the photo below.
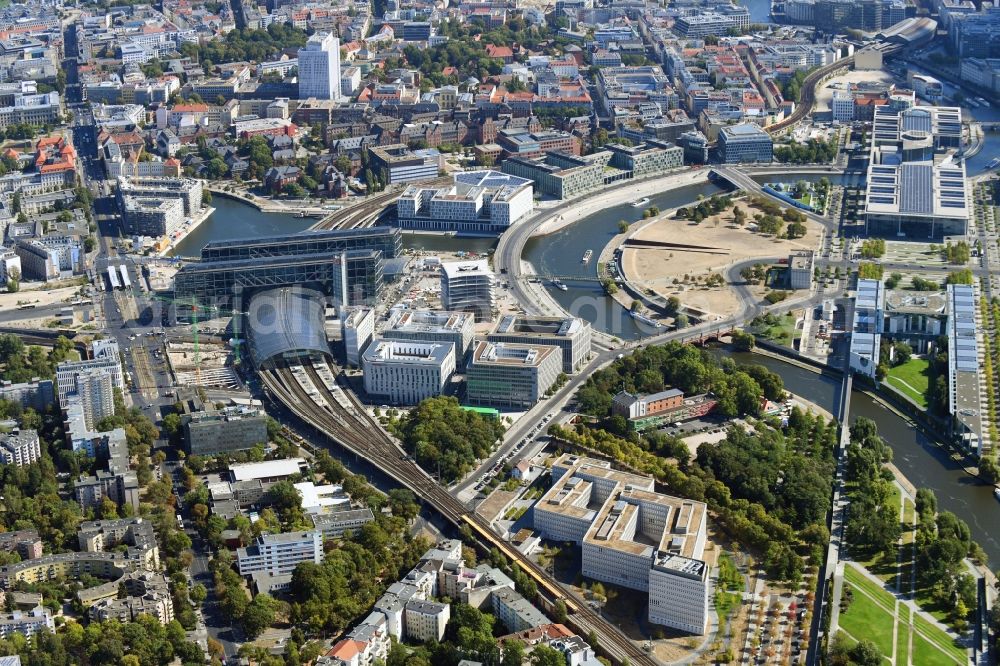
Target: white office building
[678,593]
[278,554]
[406,372]
[631,536]
[866,328]
[843,106]
[571,335]
[456,328]
[478,201]
[319,67]
[468,286]
[357,326]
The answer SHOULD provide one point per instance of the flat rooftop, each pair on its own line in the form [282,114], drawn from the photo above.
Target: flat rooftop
[512,354]
[538,326]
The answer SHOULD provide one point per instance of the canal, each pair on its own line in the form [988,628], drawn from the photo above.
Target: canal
[917,457]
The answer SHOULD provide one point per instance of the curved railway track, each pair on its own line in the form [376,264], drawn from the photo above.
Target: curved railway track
[365,214]
[351,428]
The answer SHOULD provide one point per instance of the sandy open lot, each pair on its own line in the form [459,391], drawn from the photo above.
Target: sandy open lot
[709,247]
[825,94]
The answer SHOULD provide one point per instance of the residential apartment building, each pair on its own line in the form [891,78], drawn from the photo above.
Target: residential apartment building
[406,372]
[20,447]
[426,620]
[26,623]
[511,375]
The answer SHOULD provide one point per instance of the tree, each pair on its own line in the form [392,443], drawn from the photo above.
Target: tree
[866,653]
[258,615]
[559,611]
[543,655]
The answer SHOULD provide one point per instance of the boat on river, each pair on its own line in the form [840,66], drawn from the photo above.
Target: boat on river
[587,255]
[640,203]
[994,163]
[560,285]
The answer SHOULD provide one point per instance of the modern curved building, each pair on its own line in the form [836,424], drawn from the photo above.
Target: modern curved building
[286,323]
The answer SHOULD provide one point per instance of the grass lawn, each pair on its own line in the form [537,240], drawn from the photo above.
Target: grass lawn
[783,333]
[925,654]
[903,635]
[906,558]
[866,619]
[912,378]
[857,579]
[940,639]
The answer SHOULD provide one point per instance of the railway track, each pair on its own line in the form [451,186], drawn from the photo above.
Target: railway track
[312,394]
[368,212]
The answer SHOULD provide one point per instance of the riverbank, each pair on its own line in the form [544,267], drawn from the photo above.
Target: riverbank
[196,222]
[617,197]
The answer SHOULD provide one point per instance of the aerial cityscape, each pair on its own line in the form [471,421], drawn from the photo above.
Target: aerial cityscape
[499,332]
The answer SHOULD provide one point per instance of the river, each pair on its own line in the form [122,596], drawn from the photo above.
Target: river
[560,254]
[760,10]
[923,463]
[234,219]
[916,456]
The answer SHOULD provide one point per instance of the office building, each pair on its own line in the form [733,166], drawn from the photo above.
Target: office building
[454,328]
[964,400]
[226,430]
[149,205]
[357,326]
[405,372]
[20,447]
[426,620]
[146,216]
[800,269]
[716,23]
[399,164]
[333,524]
[477,201]
[842,106]
[468,286]
[745,143]
[319,67]
[571,335]
[345,264]
[866,327]
[279,554]
[915,189]
[511,375]
[631,536]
